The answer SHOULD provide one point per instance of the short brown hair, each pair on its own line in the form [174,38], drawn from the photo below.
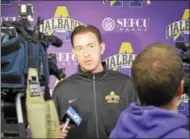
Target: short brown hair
[83,29]
[157,72]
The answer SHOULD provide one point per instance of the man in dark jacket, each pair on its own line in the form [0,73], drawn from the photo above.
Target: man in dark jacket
[98,93]
[157,73]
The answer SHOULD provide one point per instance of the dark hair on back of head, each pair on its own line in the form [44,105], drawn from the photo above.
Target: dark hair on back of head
[157,72]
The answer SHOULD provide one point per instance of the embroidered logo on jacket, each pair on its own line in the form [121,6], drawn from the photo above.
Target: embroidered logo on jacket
[112,98]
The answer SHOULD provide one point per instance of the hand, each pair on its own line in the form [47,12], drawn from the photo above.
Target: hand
[2,135]
[64,132]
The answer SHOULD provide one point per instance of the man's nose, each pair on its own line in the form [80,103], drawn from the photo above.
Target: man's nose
[86,52]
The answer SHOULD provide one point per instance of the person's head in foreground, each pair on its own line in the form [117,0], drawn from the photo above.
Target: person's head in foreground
[157,74]
[88,48]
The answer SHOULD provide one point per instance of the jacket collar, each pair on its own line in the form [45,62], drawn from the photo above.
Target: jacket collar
[98,75]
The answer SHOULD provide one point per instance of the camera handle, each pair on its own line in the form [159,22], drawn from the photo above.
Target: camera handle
[11,127]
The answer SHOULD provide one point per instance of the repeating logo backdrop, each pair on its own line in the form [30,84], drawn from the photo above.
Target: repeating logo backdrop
[127,27]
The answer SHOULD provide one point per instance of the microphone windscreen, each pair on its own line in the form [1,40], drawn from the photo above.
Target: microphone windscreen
[56,41]
[72,114]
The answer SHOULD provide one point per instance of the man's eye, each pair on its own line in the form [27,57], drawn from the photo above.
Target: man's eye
[91,46]
[79,48]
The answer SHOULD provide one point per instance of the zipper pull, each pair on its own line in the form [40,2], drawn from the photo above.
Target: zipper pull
[94,77]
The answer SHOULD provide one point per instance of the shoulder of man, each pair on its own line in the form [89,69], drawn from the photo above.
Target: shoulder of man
[119,75]
[65,82]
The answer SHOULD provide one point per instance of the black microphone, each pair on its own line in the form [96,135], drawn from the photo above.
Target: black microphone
[71,117]
[46,39]
[56,41]
[51,40]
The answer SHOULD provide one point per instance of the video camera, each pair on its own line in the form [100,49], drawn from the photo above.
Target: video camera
[15,59]
[184,47]
[25,18]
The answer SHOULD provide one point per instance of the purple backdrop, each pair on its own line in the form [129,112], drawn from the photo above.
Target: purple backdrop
[133,24]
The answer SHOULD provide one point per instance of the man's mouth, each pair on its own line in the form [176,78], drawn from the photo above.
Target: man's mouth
[87,62]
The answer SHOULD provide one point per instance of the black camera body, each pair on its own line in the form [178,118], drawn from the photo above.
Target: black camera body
[53,69]
[185,57]
[48,40]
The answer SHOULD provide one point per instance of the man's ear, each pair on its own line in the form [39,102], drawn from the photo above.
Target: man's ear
[102,47]
[74,53]
[180,88]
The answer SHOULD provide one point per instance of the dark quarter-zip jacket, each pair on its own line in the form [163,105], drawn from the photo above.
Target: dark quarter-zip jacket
[99,98]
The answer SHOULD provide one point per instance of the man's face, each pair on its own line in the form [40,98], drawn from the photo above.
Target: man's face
[87,51]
